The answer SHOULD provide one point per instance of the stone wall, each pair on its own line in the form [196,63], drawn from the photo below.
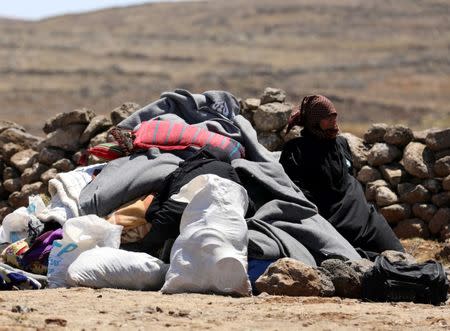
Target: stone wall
[405,174]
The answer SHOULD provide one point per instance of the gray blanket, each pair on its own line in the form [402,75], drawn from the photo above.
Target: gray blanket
[279,203]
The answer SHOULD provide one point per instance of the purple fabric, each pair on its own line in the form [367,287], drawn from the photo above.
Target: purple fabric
[41,248]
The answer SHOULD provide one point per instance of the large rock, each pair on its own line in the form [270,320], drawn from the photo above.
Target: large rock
[384,196]
[67,138]
[346,281]
[441,199]
[9,149]
[270,140]
[49,174]
[251,103]
[295,132]
[424,211]
[394,173]
[382,153]
[439,220]
[420,136]
[412,228]
[368,174]
[100,139]
[122,112]
[63,165]
[396,256]
[442,167]
[412,194]
[12,184]
[10,172]
[358,148]
[418,160]
[272,116]
[443,153]
[19,137]
[294,278]
[399,135]
[24,159]
[33,174]
[371,188]
[432,185]
[396,212]
[4,125]
[49,155]
[62,120]
[17,200]
[375,133]
[272,95]
[98,124]
[446,183]
[438,140]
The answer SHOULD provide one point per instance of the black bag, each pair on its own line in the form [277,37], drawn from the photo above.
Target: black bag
[419,283]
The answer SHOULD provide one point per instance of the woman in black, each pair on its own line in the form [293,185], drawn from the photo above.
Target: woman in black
[320,164]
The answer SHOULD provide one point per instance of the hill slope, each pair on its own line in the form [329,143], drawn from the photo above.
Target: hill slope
[379,60]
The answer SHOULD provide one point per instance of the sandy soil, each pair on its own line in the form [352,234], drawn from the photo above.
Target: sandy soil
[111,309]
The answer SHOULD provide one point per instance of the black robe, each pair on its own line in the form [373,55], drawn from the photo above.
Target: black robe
[322,170]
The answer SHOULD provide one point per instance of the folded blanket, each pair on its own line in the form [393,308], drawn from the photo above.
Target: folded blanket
[168,135]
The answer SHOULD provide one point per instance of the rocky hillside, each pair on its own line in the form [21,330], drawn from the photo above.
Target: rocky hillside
[379,61]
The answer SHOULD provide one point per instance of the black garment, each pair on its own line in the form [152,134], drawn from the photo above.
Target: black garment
[322,170]
[165,213]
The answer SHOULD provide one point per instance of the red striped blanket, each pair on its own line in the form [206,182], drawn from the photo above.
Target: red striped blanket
[167,135]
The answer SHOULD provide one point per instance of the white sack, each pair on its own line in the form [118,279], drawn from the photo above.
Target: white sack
[210,254]
[79,234]
[116,268]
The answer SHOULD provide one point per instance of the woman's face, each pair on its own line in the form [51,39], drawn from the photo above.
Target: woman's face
[328,123]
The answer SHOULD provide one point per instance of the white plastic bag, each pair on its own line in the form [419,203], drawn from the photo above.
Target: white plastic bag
[15,225]
[210,255]
[116,268]
[79,234]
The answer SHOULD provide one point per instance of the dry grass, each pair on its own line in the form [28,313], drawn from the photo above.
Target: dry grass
[381,61]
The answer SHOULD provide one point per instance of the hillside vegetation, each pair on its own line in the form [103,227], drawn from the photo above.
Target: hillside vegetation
[380,61]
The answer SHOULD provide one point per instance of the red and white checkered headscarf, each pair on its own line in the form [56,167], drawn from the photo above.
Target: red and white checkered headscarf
[312,109]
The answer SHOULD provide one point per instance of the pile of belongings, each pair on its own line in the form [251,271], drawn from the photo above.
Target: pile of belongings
[185,200]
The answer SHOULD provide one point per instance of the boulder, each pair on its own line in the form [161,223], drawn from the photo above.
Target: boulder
[412,194]
[12,184]
[438,140]
[290,277]
[412,228]
[4,211]
[98,124]
[270,140]
[63,165]
[393,173]
[446,183]
[120,113]
[420,136]
[272,95]
[360,266]
[81,117]
[441,199]
[396,212]
[358,149]
[295,132]
[442,167]
[440,154]
[382,153]
[424,211]
[19,137]
[384,196]
[395,256]
[9,149]
[4,125]
[10,172]
[375,133]
[251,103]
[67,138]
[24,159]
[49,155]
[398,135]
[432,185]
[439,220]
[346,281]
[100,139]
[17,200]
[368,174]
[33,174]
[49,174]
[272,116]
[418,160]
[371,188]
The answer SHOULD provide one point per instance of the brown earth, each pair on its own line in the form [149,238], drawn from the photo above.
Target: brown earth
[380,61]
[112,309]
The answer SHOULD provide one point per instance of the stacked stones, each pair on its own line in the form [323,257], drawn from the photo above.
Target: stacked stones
[269,115]
[407,176]
[27,162]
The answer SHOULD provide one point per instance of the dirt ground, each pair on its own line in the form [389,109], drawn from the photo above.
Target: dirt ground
[111,309]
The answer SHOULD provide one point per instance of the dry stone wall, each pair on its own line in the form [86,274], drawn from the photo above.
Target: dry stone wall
[405,174]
